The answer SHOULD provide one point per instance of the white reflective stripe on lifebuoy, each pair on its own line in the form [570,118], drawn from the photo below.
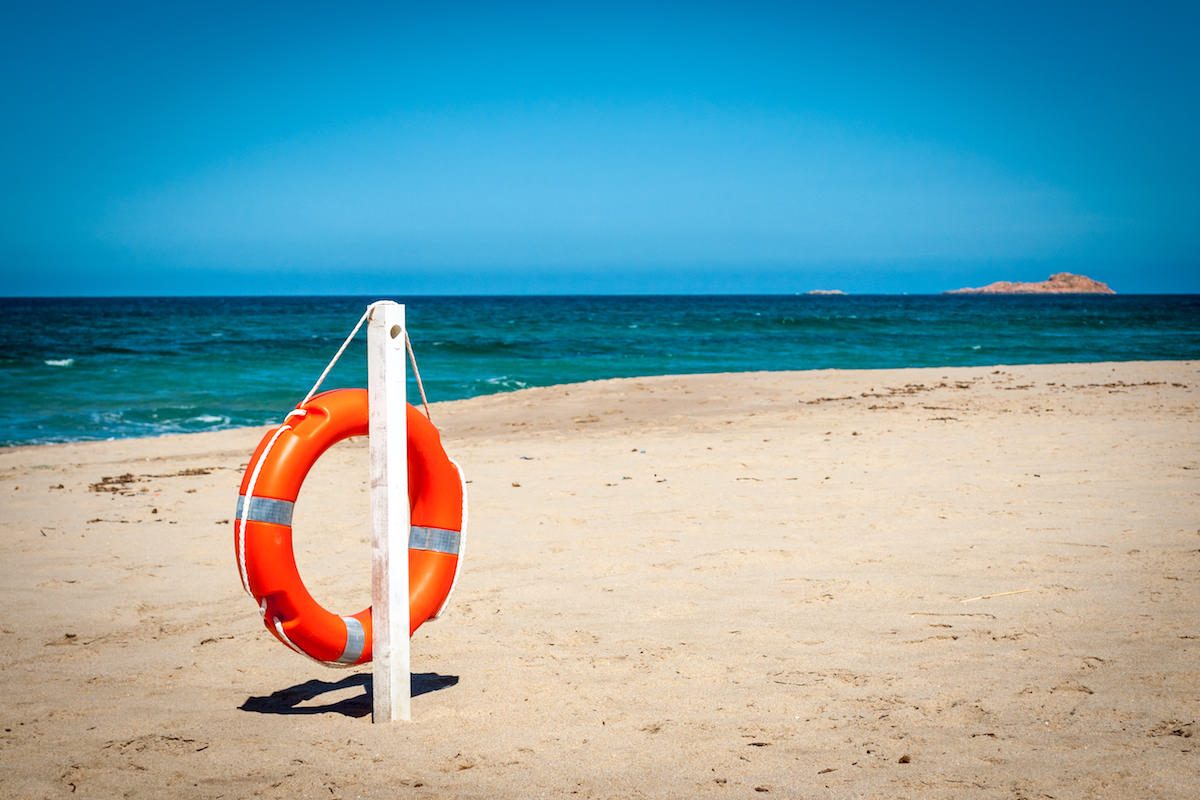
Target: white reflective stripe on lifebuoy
[279,512]
[266,509]
[439,540]
[356,639]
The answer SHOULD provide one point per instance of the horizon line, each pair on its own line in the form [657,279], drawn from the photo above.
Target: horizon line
[809,293]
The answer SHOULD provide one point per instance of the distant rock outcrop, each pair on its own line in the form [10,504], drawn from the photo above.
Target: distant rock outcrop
[1060,283]
[825,291]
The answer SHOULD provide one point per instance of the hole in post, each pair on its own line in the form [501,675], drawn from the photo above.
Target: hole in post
[394,331]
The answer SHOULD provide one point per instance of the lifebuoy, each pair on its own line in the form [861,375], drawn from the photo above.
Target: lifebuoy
[262,529]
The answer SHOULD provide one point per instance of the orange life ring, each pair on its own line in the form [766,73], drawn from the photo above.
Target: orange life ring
[262,529]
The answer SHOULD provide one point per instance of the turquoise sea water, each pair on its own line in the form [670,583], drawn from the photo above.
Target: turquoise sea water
[74,369]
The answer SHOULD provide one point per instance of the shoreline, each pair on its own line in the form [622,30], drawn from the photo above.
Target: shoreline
[516,393]
[937,582]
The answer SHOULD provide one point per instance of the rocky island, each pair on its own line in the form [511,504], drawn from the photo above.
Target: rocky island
[1059,283]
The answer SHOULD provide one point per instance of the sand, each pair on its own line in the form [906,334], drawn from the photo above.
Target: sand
[934,583]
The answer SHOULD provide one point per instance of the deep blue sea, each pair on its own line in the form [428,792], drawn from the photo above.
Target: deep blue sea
[75,369]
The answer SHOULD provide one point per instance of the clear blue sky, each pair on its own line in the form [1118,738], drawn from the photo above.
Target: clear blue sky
[207,149]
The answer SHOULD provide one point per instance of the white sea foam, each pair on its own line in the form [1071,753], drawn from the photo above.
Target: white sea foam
[506,382]
[59,362]
[210,418]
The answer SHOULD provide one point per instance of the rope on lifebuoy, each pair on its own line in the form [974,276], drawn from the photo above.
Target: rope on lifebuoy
[241,532]
[462,541]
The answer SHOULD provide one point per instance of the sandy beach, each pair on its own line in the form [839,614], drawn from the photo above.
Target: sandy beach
[935,583]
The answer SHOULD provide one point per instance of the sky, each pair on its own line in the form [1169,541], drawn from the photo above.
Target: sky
[460,148]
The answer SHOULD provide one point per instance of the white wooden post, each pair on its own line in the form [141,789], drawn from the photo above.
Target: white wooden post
[387,403]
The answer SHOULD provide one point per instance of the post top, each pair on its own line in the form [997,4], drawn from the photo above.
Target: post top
[383,306]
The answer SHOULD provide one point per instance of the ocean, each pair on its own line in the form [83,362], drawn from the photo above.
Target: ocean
[80,369]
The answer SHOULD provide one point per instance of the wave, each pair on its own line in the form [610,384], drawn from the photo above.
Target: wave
[505,383]
[154,420]
[59,362]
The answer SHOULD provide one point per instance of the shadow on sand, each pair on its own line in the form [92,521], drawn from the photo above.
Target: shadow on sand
[287,701]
